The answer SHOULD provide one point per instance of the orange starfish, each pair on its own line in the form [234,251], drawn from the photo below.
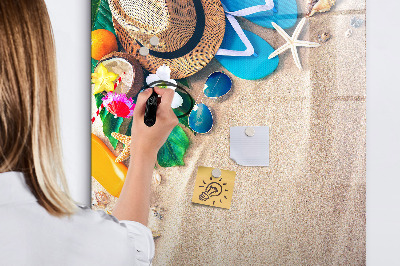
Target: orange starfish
[126,152]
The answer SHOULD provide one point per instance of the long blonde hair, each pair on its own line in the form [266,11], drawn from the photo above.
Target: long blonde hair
[29,119]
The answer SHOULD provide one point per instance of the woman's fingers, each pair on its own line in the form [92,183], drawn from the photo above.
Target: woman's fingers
[167,95]
[164,109]
[159,91]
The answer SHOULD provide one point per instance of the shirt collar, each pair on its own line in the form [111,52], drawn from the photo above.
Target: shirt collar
[13,189]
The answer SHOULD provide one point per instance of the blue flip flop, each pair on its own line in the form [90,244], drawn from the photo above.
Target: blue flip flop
[244,53]
[283,12]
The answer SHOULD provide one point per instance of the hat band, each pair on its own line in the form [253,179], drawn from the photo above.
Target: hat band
[192,42]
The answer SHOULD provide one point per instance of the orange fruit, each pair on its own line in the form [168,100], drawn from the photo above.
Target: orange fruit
[103,42]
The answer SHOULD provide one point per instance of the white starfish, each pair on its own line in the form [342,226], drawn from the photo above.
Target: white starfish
[292,42]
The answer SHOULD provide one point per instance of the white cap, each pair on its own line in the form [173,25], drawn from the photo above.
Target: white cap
[250,131]
[216,173]
[154,41]
[144,51]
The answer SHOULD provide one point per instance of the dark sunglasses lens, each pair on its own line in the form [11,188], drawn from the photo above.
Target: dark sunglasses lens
[217,85]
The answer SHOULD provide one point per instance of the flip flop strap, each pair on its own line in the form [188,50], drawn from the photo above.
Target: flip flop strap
[249,47]
[269,4]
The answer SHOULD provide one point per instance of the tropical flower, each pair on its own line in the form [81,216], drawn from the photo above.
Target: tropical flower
[103,80]
[119,105]
[163,73]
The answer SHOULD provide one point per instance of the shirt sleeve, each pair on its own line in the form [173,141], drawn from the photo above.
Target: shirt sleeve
[140,237]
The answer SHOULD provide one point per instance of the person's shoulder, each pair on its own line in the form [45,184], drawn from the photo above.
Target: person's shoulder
[84,212]
[100,221]
[98,226]
[136,235]
[85,215]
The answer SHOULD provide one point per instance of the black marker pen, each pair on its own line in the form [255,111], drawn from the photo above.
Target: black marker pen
[151,110]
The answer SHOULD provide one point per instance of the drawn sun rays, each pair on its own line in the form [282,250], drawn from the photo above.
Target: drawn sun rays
[213,189]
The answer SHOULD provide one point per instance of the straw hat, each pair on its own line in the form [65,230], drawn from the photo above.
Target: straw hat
[182,34]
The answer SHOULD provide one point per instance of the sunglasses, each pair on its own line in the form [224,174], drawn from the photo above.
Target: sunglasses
[200,118]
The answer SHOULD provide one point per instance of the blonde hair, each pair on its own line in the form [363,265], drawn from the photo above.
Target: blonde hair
[29,119]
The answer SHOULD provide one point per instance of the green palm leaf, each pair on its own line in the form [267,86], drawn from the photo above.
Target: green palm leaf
[174,149]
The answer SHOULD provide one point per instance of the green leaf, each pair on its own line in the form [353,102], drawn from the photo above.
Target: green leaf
[173,150]
[95,7]
[129,129]
[184,82]
[99,101]
[103,18]
[184,121]
[103,114]
[99,97]
[94,64]
[111,124]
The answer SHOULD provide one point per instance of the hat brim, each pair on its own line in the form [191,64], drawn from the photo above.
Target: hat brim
[192,60]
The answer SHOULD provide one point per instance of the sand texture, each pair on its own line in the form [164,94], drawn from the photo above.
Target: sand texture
[308,206]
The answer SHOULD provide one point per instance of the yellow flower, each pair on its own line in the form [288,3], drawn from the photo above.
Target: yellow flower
[103,80]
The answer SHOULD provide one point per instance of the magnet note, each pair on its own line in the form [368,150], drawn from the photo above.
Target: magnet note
[249,146]
[214,189]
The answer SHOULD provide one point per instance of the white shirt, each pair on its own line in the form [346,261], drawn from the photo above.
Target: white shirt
[29,235]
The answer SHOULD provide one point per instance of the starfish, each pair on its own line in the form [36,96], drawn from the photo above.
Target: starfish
[126,152]
[103,80]
[292,42]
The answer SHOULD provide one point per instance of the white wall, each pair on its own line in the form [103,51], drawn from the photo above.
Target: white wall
[71,22]
[383,132]
[71,25]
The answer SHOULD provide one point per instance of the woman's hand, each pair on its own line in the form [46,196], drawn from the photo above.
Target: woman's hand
[134,201]
[146,141]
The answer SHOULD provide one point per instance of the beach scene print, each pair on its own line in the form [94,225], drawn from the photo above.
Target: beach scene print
[296,66]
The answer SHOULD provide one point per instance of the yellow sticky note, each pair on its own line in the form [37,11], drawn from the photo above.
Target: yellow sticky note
[214,191]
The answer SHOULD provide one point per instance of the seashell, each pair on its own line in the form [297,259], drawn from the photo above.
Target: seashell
[324,37]
[319,6]
[348,33]
[102,199]
[356,22]
[155,220]
[155,234]
[156,178]
[157,212]
[310,5]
